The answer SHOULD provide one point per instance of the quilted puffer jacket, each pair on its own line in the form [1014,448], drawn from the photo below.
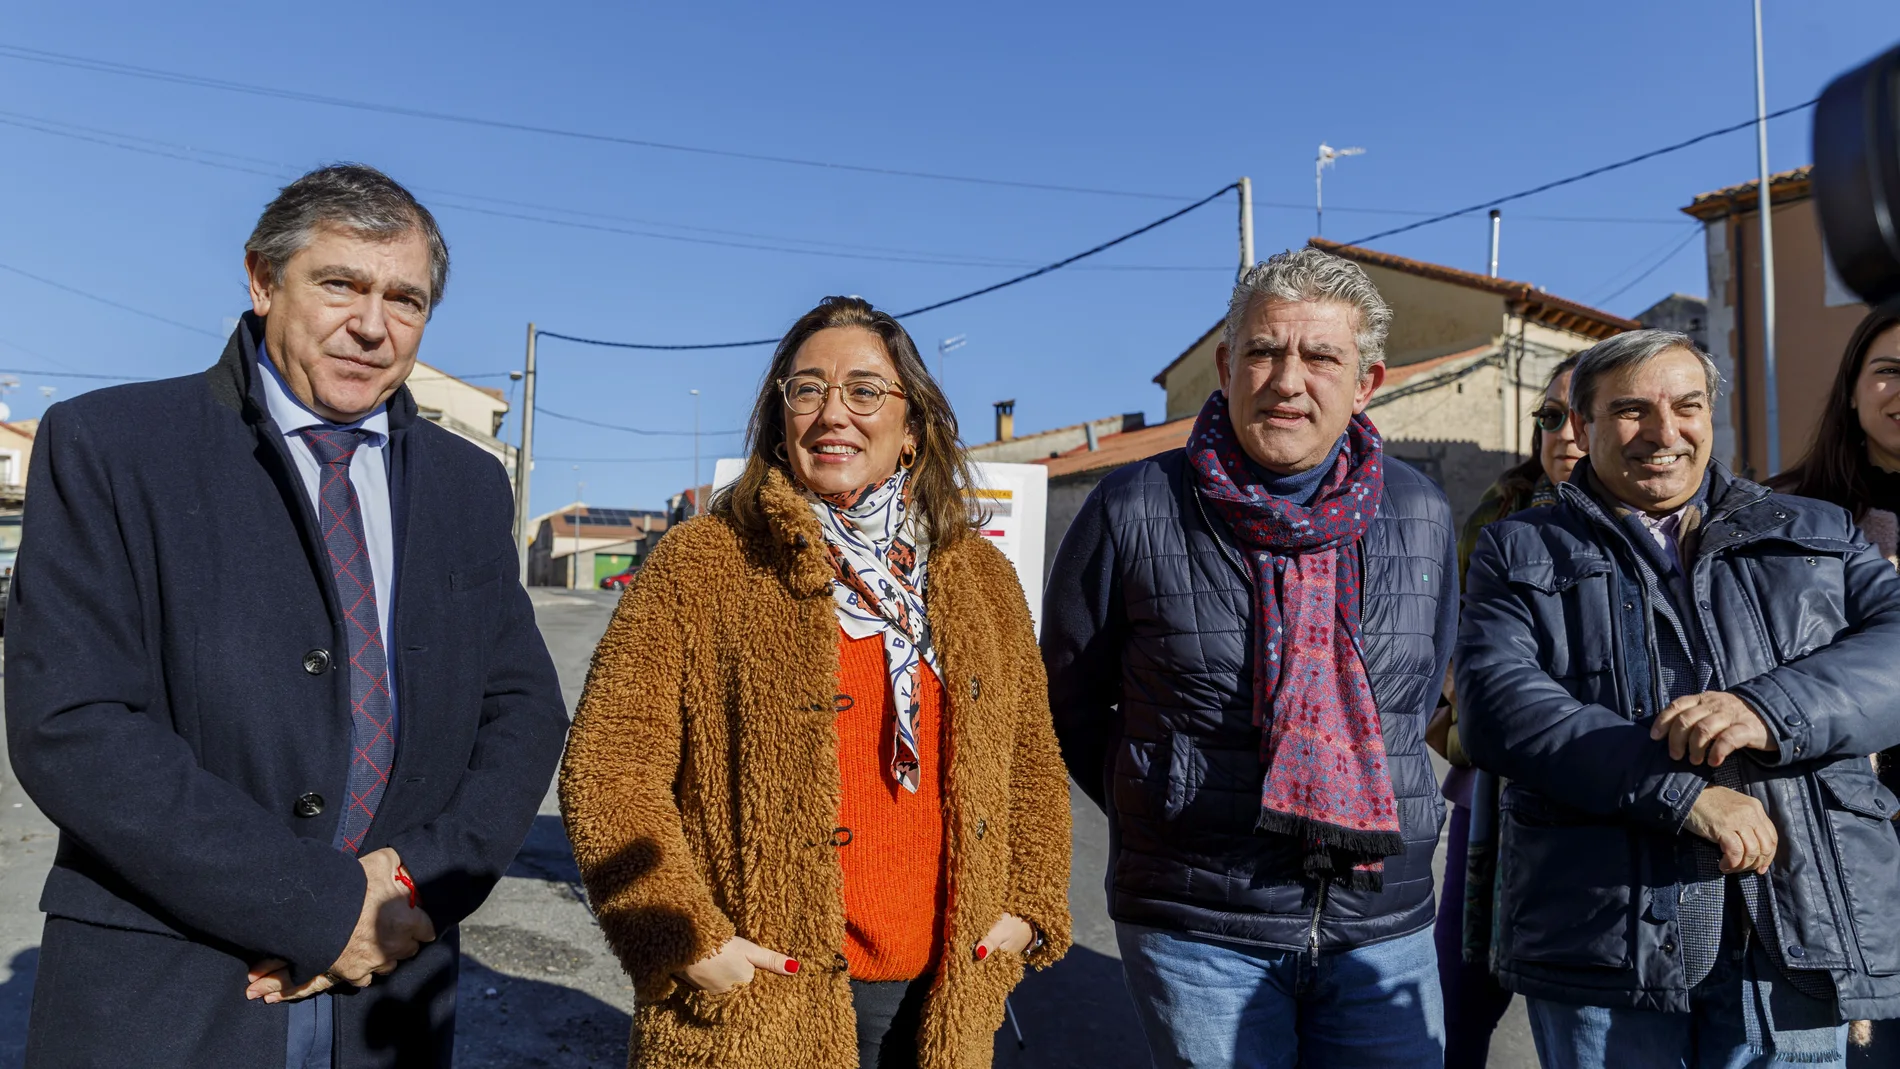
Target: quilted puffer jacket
[1147,634]
[1557,673]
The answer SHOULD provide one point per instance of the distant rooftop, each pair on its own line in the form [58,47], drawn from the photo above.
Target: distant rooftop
[1785,187]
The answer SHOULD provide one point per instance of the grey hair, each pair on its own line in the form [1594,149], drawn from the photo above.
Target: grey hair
[354,197]
[1630,349]
[1308,274]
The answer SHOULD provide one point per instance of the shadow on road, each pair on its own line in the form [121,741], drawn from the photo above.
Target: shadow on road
[506,1022]
[1074,1014]
[546,854]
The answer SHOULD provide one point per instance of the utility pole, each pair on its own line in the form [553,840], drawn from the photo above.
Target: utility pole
[524,457]
[1771,395]
[580,493]
[1246,224]
[698,505]
[1497,220]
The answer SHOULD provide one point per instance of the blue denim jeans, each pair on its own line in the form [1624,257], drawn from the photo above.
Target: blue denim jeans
[1204,1003]
[1710,1036]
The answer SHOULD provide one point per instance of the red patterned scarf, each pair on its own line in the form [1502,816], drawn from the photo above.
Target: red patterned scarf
[1321,742]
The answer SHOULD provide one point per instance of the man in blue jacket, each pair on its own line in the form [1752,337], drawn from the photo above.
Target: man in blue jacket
[1681,674]
[1245,640]
[270,673]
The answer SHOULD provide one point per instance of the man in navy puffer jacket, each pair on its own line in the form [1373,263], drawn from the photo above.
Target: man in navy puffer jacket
[1681,674]
[1271,830]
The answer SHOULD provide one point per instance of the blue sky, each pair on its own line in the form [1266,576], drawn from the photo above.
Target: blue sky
[1455,103]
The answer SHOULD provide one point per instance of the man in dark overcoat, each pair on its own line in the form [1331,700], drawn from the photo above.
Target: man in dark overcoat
[270,672]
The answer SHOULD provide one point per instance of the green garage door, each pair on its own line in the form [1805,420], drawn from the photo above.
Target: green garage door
[606,564]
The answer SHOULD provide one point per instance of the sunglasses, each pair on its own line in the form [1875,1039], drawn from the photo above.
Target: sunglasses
[1550,417]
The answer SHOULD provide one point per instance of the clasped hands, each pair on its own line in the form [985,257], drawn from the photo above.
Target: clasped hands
[388,932]
[735,963]
[1707,728]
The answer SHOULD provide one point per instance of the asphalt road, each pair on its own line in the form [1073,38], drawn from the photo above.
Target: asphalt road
[539,987]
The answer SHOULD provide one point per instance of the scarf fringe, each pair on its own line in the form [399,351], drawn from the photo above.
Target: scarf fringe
[1373,845]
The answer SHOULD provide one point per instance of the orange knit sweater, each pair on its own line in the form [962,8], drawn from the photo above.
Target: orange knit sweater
[894,878]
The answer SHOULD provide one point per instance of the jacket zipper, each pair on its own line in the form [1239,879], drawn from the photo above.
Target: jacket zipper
[1312,932]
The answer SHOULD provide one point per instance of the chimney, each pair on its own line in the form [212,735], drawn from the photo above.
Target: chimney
[1005,420]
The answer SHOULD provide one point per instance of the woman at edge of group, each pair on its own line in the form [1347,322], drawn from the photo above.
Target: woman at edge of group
[1855,463]
[812,784]
[1474,1001]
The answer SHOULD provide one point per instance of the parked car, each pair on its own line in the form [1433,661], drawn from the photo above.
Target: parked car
[619,582]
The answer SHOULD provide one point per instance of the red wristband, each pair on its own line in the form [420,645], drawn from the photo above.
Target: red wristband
[402,877]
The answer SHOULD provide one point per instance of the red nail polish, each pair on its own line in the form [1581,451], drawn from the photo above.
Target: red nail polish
[791,965]
[982,952]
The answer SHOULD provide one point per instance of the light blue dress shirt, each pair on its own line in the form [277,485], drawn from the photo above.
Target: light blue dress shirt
[369,474]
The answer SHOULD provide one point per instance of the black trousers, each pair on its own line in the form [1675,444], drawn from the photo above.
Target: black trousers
[889,1012]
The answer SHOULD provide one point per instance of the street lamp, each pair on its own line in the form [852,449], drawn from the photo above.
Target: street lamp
[697,506]
[1327,154]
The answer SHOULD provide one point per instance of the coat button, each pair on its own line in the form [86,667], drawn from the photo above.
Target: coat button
[1797,952]
[1672,795]
[1669,947]
[976,687]
[982,827]
[308,805]
[316,662]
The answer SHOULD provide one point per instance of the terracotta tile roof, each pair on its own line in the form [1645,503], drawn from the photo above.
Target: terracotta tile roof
[1526,300]
[1395,376]
[1114,450]
[1784,188]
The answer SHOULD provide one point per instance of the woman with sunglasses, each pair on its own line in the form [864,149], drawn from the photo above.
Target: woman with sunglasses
[1474,1002]
[812,785]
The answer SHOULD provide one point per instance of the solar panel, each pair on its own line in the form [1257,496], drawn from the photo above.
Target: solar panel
[613,517]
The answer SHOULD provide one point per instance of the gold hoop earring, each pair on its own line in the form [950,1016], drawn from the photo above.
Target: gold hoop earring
[779,452]
[907,459]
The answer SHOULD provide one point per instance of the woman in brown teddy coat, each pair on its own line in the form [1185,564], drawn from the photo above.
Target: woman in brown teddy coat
[812,785]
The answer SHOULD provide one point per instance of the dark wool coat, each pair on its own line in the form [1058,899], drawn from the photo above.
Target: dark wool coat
[172,691]
[1557,684]
[701,788]
[1147,632]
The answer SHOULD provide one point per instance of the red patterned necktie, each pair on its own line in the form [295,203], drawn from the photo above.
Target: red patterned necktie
[372,725]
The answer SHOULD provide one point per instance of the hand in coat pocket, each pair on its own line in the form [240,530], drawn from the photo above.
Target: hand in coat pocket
[1010,933]
[733,965]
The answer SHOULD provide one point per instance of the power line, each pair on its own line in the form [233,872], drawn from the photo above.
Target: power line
[1653,268]
[1026,276]
[59,59]
[1592,173]
[173,151]
[541,411]
[112,303]
[70,374]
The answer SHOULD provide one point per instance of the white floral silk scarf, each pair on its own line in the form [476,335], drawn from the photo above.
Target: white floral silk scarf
[877,550]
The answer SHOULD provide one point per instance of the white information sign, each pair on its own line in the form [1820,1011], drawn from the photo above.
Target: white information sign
[1014,499]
